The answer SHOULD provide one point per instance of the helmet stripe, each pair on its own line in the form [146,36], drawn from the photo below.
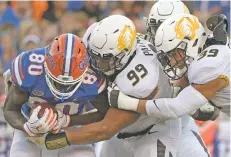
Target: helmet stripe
[72,48]
[64,58]
[68,53]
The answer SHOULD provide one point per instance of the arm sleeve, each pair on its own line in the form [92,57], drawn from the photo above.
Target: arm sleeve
[187,102]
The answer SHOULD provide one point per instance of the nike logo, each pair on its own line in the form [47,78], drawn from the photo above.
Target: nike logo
[153,132]
[37,127]
[154,101]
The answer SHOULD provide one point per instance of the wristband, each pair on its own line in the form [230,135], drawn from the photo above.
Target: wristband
[56,141]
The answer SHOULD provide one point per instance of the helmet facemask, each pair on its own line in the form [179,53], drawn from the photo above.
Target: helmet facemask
[151,27]
[106,64]
[62,89]
[175,62]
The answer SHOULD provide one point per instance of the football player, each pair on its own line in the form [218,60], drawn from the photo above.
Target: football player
[57,74]
[183,51]
[161,11]
[131,63]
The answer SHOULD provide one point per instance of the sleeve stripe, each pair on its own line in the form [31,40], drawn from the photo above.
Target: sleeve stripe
[20,66]
[16,69]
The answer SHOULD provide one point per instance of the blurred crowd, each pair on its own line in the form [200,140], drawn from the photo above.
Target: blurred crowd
[27,25]
[30,24]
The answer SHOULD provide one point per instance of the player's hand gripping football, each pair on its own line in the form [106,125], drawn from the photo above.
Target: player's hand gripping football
[44,124]
[119,100]
[62,122]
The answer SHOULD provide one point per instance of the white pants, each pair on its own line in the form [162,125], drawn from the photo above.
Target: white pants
[191,144]
[21,147]
[160,141]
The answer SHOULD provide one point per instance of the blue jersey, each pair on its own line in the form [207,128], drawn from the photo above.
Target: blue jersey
[28,74]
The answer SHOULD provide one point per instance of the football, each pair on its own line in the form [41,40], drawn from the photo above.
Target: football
[43,108]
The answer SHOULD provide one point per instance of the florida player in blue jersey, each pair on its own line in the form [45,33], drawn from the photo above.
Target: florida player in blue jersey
[58,75]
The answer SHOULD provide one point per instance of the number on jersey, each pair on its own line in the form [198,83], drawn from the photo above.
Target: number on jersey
[36,68]
[139,73]
[89,79]
[211,53]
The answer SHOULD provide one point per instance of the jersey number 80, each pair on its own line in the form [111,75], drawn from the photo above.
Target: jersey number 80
[36,68]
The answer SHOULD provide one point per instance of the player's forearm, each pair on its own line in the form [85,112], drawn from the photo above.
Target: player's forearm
[186,103]
[15,119]
[12,107]
[86,118]
[88,134]
[209,89]
[94,132]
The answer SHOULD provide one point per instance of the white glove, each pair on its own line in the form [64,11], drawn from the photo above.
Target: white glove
[119,100]
[44,124]
[63,122]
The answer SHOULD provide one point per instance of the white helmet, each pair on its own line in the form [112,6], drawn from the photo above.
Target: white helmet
[161,11]
[181,31]
[111,44]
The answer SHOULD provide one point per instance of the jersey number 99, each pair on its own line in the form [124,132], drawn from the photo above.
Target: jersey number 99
[211,53]
[137,74]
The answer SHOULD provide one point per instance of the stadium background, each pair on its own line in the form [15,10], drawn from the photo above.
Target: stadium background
[27,25]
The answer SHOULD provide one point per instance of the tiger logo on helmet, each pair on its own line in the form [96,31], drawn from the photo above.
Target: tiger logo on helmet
[66,62]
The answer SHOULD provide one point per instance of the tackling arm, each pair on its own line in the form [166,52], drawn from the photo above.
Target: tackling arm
[103,130]
[95,132]
[12,107]
[171,108]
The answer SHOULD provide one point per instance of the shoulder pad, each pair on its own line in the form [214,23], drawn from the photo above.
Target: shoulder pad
[26,68]
[209,64]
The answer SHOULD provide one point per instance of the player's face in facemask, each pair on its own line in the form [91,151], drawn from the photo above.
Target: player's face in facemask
[177,59]
[63,88]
